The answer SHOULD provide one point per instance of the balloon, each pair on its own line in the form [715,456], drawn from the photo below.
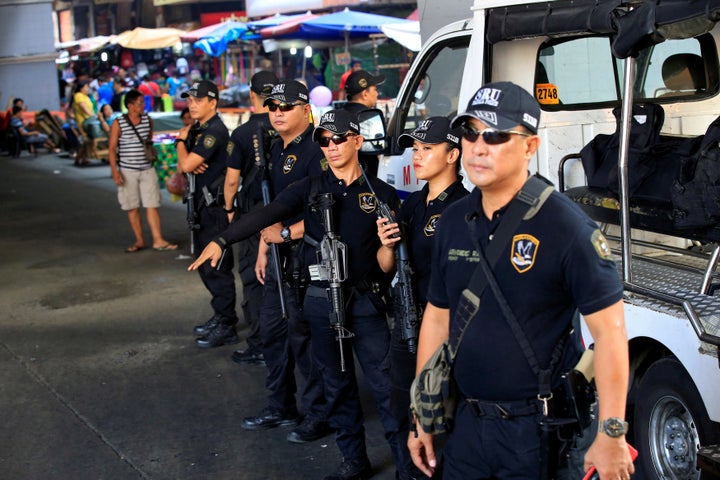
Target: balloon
[321,96]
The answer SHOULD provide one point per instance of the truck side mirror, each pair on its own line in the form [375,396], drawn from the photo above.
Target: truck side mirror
[372,128]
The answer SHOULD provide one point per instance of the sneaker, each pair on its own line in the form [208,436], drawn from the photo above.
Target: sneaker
[220,335]
[250,355]
[269,418]
[308,431]
[205,328]
[358,469]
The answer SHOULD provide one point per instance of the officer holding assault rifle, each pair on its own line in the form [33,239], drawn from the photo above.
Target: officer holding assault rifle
[343,303]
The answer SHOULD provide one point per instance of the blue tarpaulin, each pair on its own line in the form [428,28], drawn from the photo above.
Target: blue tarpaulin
[215,43]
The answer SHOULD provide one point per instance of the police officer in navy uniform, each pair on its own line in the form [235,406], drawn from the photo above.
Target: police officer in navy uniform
[436,160]
[554,264]
[286,342]
[355,214]
[242,162]
[361,91]
[201,151]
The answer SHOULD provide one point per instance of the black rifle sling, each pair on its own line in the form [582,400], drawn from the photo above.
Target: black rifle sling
[525,204]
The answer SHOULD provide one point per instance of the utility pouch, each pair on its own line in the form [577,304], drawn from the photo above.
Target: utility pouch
[433,393]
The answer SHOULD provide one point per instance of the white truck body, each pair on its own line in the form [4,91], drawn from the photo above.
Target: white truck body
[672,316]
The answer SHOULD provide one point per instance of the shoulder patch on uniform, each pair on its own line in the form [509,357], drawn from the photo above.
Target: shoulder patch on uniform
[429,229]
[209,141]
[230,147]
[367,202]
[288,164]
[523,252]
[324,164]
[601,245]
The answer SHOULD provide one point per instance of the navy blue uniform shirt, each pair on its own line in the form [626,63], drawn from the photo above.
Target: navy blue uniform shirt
[302,158]
[556,262]
[209,140]
[419,219]
[355,214]
[241,153]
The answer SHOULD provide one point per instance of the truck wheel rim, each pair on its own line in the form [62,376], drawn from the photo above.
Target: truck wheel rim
[675,443]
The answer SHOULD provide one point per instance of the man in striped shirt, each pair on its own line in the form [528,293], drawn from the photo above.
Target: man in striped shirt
[134,175]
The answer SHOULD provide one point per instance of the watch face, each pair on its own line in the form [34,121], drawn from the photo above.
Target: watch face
[614,427]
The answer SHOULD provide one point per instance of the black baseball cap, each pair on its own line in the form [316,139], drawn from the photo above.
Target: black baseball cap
[288,91]
[502,105]
[337,122]
[432,130]
[263,82]
[203,88]
[360,80]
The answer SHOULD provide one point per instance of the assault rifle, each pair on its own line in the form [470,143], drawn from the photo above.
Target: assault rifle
[403,292]
[191,212]
[332,267]
[260,161]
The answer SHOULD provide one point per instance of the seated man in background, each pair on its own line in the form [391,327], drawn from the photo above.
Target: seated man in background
[31,137]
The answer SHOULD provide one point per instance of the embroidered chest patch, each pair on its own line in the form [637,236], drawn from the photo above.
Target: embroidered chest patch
[289,163]
[367,202]
[523,251]
[429,229]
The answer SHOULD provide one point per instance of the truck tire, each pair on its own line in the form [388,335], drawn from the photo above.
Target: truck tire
[670,423]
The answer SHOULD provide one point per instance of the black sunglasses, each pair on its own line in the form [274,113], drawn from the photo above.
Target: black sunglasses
[490,136]
[284,107]
[336,139]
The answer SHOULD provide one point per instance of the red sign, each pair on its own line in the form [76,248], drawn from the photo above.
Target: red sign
[207,19]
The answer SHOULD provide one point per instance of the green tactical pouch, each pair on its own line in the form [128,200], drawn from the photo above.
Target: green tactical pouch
[433,393]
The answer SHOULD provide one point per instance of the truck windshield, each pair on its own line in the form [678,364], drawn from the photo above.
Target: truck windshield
[436,90]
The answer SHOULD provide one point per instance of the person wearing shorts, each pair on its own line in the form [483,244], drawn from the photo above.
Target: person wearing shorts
[133,173]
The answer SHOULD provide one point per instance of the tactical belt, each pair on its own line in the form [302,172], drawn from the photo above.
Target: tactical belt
[361,288]
[504,410]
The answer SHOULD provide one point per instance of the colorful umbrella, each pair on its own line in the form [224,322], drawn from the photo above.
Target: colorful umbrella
[287,28]
[345,24]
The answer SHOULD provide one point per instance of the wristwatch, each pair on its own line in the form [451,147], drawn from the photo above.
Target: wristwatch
[614,427]
[285,234]
[180,140]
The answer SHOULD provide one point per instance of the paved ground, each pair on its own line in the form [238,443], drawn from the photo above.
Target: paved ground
[99,376]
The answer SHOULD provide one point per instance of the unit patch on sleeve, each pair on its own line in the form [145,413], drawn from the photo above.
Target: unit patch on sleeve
[523,251]
[208,141]
[601,245]
[367,202]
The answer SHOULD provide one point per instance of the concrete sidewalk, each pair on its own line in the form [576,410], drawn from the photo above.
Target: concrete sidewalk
[99,374]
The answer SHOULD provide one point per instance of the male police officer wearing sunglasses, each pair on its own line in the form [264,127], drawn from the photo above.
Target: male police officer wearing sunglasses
[355,212]
[286,342]
[554,263]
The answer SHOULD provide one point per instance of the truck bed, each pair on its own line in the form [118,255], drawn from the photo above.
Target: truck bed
[674,279]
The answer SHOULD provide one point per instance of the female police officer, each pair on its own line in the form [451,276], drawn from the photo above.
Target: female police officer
[436,159]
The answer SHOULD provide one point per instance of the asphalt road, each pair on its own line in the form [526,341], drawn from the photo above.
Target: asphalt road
[99,375]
